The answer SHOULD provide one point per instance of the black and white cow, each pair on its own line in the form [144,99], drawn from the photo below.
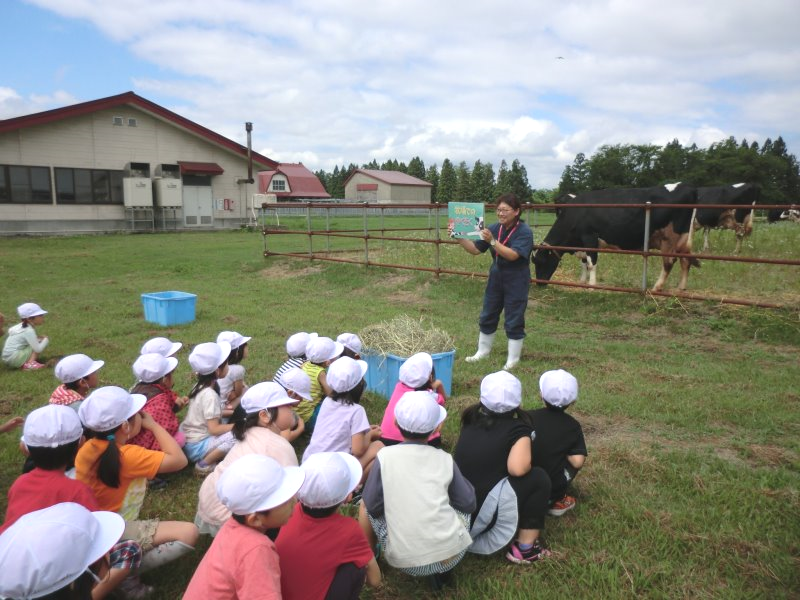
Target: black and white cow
[779,214]
[623,228]
[739,220]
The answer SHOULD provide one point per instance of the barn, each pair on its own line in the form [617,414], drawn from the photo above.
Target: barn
[121,163]
[386,187]
[291,182]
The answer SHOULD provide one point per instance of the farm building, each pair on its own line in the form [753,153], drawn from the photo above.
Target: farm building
[121,163]
[386,187]
[291,182]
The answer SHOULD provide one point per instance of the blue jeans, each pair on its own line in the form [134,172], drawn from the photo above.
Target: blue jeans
[507,289]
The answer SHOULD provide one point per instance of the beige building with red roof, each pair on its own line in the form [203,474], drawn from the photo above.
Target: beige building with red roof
[118,164]
[386,187]
[291,182]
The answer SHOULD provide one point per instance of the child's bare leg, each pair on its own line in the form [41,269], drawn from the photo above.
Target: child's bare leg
[527,536]
[181,531]
[105,587]
[368,458]
[214,456]
[366,526]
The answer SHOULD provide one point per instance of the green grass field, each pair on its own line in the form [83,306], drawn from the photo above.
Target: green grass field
[691,410]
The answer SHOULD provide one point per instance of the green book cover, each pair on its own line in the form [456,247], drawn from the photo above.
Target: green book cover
[465,219]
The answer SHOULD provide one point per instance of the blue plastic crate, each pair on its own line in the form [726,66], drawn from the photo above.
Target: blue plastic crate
[169,308]
[384,371]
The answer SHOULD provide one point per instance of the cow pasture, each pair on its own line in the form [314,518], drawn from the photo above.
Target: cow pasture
[690,409]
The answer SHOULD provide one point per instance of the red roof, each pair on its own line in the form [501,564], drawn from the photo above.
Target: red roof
[302,182]
[200,168]
[129,98]
[391,177]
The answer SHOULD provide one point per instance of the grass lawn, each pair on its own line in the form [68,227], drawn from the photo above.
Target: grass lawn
[691,410]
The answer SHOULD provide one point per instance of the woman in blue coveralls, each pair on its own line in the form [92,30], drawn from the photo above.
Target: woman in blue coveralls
[510,241]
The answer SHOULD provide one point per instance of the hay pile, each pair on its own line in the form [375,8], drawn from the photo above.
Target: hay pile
[404,336]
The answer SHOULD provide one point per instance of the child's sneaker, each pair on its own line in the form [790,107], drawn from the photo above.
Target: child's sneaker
[32,365]
[202,468]
[561,506]
[516,555]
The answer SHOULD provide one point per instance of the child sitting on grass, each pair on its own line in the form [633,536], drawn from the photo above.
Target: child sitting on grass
[342,424]
[320,354]
[298,387]
[50,440]
[208,440]
[242,562]
[23,347]
[352,345]
[416,504]
[232,385]
[558,444]
[78,376]
[154,374]
[295,352]
[323,553]
[416,373]
[161,345]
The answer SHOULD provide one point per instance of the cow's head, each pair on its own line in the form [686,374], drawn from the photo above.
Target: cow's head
[545,261]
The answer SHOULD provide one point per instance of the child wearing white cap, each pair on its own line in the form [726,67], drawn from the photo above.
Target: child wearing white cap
[23,347]
[298,387]
[58,552]
[208,439]
[266,412]
[78,376]
[342,424]
[161,345]
[321,352]
[242,562]
[352,345]
[154,376]
[416,373]
[325,554]
[117,472]
[558,444]
[416,503]
[232,385]
[295,353]
[50,439]
[494,453]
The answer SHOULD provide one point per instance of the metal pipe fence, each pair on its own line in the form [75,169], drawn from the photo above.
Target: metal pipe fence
[364,210]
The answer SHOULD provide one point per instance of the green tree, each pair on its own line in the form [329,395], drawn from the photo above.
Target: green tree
[416,168]
[463,187]
[503,185]
[432,177]
[446,191]
[518,179]
[373,164]
[482,182]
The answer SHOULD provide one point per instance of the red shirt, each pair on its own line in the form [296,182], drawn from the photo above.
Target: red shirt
[159,406]
[312,549]
[41,489]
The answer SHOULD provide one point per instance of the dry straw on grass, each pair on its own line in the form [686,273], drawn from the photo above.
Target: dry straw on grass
[404,336]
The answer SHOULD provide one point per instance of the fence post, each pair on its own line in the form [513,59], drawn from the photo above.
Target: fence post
[327,228]
[310,236]
[527,215]
[366,236]
[646,247]
[383,231]
[438,241]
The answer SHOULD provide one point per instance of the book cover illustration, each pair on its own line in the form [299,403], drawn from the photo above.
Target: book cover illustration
[465,219]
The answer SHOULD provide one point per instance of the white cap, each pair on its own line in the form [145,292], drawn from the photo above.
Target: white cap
[109,407]
[345,373]
[330,477]
[266,394]
[234,338]
[350,341]
[418,412]
[558,388]
[320,349]
[76,366]
[416,369]
[255,482]
[46,550]
[153,366]
[501,392]
[160,345]
[296,344]
[296,380]
[207,357]
[30,310]
[51,426]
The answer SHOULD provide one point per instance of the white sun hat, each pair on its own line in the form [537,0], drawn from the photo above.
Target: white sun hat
[558,388]
[350,341]
[109,407]
[234,338]
[416,369]
[344,374]
[330,477]
[51,426]
[264,395]
[418,412]
[30,310]
[320,349]
[296,380]
[46,550]
[254,483]
[296,344]
[501,392]
[160,345]
[206,358]
[76,366]
[153,366]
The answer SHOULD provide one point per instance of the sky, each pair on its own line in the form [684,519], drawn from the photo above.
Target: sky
[331,83]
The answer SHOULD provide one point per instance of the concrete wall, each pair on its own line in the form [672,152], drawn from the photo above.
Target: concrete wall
[93,141]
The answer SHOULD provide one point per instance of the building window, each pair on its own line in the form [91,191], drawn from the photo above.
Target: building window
[131,122]
[25,185]
[88,186]
[278,185]
[117,121]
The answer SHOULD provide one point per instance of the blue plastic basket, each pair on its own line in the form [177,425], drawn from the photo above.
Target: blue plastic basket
[384,371]
[169,308]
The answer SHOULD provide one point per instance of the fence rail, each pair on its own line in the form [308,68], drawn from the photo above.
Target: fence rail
[433,211]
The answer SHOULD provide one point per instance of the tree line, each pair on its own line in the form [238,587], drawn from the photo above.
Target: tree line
[769,165]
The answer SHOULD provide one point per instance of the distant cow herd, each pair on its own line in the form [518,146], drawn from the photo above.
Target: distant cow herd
[670,230]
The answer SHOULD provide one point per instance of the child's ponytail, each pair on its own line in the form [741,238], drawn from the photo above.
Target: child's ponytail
[108,466]
[204,381]
[352,396]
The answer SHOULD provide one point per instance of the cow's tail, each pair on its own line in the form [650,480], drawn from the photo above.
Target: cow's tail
[691,223]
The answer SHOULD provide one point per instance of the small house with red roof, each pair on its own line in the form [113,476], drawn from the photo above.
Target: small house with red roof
[291,182]
[121,163]
[386,187]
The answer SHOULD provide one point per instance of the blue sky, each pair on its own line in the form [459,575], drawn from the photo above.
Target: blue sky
[332,82]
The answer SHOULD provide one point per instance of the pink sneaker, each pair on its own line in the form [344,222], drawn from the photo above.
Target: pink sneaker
[32,365]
